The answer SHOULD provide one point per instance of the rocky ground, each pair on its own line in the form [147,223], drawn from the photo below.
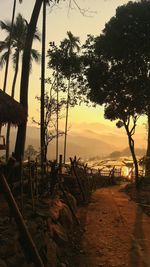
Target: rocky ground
[113,231]
[51,226]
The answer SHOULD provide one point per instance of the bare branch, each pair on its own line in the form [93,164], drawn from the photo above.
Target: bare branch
[83,11]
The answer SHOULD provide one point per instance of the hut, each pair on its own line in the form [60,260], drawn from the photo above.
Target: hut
[10,110]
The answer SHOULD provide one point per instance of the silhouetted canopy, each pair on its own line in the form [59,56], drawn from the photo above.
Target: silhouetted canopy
[10,110]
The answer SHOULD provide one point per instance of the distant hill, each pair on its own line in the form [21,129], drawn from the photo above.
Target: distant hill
[84,147]
[126,153]
[78,144]
[96,141]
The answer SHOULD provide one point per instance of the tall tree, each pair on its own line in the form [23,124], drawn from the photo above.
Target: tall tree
[55,55]
[126,38]
[19,32]
[111,84]
[42,137]
[21,134]
[70,46]
[9,45]
[66,63]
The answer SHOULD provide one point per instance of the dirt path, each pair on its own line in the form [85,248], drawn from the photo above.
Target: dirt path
[117,232]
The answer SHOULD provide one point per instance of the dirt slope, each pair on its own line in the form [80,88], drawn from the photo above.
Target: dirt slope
[117,232]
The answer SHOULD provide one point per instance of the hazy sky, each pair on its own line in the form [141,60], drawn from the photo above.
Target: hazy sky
[59,21]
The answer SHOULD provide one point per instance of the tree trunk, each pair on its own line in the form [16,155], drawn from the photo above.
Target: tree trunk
[12,94]
[147,171]
[9,45]
[57,120]
[21,134]
[131,146]
[43,159]
[66,124]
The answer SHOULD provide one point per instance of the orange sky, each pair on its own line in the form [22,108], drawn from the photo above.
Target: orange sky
[59,21]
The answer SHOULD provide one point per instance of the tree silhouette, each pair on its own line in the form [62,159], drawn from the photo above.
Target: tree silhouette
[70,66]
[126,38]
[112,85]
[65,62]
[18,36]
[21,133]
[9,44]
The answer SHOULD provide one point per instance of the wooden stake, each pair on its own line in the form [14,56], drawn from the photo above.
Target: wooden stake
[31,185]
[78,180]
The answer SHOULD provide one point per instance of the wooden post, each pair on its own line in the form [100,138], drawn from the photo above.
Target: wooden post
[36,178]
[31,185]
[20,222]
[60,164]
[78,180]
[21,183]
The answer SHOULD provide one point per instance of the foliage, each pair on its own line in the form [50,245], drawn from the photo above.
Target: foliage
[128,32]
[117,69]
[31,153]
[65,62]
[50,107]
[19,33]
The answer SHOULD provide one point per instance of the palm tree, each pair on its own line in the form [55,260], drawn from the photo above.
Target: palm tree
[55,54]
[8,52]
[42,136]
[69,45]
[19,33]
[21,134]
[9,44]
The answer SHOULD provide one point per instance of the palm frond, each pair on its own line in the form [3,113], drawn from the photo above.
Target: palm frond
[71,43]
[18,38]
[15,57]
[3,45]
[3,59]
[35,55]
[19,29]
[37,35]
[5,26]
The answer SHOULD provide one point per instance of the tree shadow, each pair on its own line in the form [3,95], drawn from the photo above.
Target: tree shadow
[139,253]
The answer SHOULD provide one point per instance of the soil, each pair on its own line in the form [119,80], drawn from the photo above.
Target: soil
[116,231]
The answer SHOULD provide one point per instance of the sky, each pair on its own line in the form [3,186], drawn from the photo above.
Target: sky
[60,20]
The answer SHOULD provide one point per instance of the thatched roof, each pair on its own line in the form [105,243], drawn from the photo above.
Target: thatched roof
[10,110]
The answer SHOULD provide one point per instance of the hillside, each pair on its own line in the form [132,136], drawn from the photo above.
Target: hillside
[85,141]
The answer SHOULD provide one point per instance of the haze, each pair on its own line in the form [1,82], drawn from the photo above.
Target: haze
[87,122]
